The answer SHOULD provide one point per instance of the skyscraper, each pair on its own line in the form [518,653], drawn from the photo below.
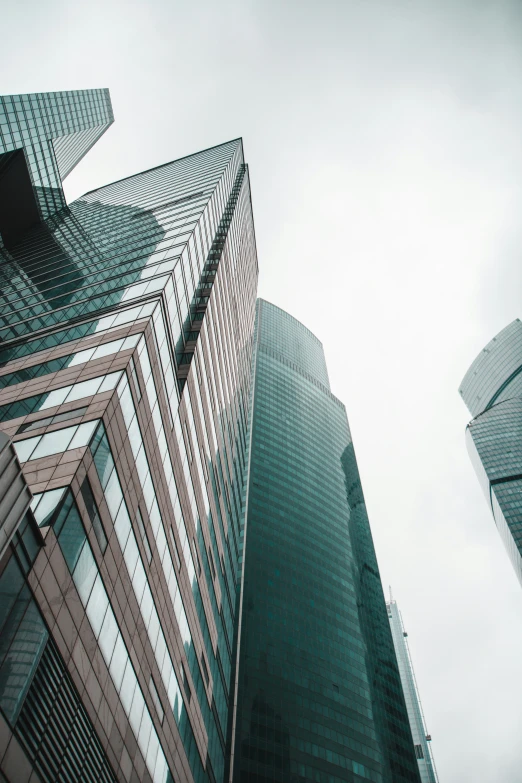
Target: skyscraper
[126,327]
[174,486]
[318,693]
[492,391]
[421,738]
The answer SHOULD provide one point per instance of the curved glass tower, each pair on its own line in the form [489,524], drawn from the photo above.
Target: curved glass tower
[318,693]
[492,391]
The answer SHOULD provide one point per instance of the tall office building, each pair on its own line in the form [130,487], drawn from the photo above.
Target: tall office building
[421,738]
[318,694]
[492,391]
[126,324]
[131,444]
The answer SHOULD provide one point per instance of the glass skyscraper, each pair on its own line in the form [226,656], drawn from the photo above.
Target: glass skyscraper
[188,586]
[318,693]
[492,391]
[421,738]
[126,328]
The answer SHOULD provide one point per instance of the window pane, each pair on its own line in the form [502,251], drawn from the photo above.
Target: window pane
[128,686]
[83,434]
[24,448]
[110,382]
[118,661]
[81,357]
[72,538]
[54,442]
[108,348]
[55,397]
[113,494]
[85,573]
[103,460]
[47,505]
[84,389]
[97,606]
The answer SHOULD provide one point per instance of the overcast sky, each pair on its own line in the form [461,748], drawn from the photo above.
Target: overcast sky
[384,144]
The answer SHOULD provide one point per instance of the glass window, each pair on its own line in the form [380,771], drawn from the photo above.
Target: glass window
[118,661]
[136,711]
[113,494]
[72,537]
[85,573]
[53,442]
[139,580]
[83,434]
[55,397]
[94,515]
[11,584]
[84,389]
[103,458]
[109,382]
[143,534]
[97,606]
[24,448]
[145,730]
[131,555]
[122,526]
[107,348]
[135,379]
[43,505]
[128,686]
[186,686]
[81,357]
[127,405]
[108,634]
[131,341]
[34,425]
[152,754]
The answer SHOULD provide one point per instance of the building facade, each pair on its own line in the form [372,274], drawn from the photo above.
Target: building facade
[492,391]
[318,694]
[421,738]
[188,585]
[126,322]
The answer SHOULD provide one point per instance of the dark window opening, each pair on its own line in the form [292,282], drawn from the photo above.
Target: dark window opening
[94,516]
[205,669]
[156,699]
[34,425]
[186,686]
[135,380]
[176,554]
[143,534]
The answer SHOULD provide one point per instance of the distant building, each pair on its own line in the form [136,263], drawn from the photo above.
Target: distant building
[492,391]
[421,739]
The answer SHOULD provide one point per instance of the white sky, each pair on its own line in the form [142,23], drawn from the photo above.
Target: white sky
[383,138]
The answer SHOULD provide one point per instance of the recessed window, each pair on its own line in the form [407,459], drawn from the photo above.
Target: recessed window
[176,554]
[135,380]
[196,556]
[156,699]
[34,425]
[94,514]
[186,687]
[419,752]
[205,669]
[187,440]
[143,534]
[211,560]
